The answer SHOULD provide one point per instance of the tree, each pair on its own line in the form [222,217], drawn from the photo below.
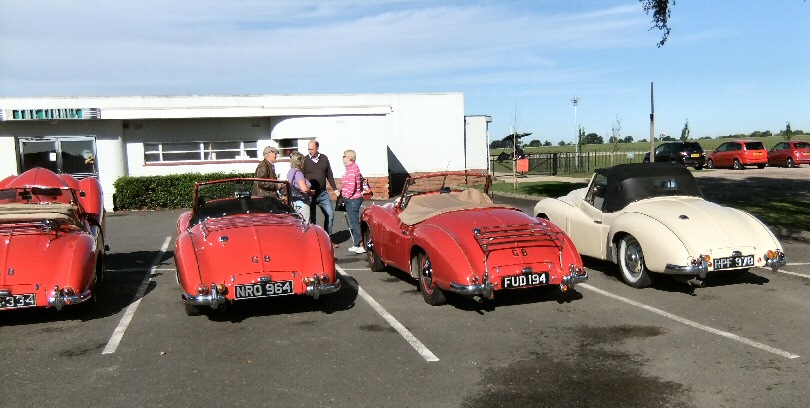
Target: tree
[788,134]
[497,144]
[592,138]
[561,143]
[685,131]
[616,133]
[661,12]
[514,138]
[534,143]
[546,143]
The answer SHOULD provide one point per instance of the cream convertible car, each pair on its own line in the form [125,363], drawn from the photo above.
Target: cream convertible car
[652,217]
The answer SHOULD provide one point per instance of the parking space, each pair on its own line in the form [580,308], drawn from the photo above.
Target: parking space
[738,341]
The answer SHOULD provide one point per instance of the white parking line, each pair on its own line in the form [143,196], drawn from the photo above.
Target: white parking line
[693,324]
[409,337]
[118,334]
[801,275]
[797,263]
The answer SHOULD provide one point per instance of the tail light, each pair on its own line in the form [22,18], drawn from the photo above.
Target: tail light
[202,290]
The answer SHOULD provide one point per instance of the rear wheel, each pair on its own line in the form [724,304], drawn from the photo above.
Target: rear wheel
[374,261]
[710,164]
[790,162]
[192,310]
[432,294]
[631,263]
[737,165]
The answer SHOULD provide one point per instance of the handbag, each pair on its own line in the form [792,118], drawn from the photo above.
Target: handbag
[367,192]
[340,203]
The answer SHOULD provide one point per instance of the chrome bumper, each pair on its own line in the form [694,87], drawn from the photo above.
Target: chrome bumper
[59,300]
[776,263]
[485,290]
[696,270]
[214,300]
[316,290]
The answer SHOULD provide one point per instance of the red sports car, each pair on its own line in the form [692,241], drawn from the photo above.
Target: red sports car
[792,153]
[52,247]
[233,246]
[448,234]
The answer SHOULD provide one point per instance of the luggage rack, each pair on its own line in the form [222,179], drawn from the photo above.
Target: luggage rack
[514,236]
[501,237]
[207,225]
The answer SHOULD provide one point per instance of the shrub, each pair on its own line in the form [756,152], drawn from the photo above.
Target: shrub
[161,192]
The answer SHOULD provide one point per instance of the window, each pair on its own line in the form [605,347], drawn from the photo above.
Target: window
[287,146]
[199,151]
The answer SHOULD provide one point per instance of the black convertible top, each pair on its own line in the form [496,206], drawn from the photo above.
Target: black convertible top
[627,183]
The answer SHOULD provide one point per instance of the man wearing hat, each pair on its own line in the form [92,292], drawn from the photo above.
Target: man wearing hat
[266,170]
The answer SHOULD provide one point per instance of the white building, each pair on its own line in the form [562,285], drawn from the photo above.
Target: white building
[394,135]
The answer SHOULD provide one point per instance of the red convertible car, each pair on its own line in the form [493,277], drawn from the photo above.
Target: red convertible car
[233,246]
[448,234]
[52,249]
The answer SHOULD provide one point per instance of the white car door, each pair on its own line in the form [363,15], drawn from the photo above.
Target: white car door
[586,222]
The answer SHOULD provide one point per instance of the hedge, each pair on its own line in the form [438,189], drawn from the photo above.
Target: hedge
[162,192]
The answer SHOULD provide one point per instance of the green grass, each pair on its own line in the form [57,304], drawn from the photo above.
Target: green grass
[791,214]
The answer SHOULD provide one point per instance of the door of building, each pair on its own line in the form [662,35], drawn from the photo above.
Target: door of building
[74,155]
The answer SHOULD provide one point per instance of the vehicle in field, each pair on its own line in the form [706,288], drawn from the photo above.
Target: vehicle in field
[651,217]
[445,231]
[737,154]
[233,246]
[791,153]
[689,154]
[52,247]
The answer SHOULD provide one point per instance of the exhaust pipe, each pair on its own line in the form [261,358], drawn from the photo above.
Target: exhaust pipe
[698,283]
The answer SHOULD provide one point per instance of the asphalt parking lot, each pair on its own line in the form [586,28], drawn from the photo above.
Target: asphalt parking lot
[741,341]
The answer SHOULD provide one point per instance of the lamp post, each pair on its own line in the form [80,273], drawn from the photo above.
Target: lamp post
[575,100]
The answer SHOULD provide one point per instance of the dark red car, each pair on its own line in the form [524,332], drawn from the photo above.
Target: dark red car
[791,153]
[737,154]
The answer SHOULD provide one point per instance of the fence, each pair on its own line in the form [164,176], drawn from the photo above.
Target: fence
[566,163]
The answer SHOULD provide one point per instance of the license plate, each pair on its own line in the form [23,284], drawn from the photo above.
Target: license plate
[264,289]
[757,154]
[520,281]
[695,155]
[23,300]
[734,262]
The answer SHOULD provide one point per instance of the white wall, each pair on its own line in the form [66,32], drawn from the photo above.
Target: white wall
[426,133]
[335,134]
[476,133]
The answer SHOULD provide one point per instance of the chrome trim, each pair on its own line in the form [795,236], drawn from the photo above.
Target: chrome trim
[573,278]
[317,289]
[699,270]
[778,262]
[58,300]
[215,300]
[485,290]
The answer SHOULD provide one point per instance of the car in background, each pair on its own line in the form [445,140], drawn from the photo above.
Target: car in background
[651,217]
[447,234]
[233,246]
[791,153]
[51,240]
[738,154]
[689,154]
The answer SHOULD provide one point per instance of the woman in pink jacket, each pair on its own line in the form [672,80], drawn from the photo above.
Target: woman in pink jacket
[352,193]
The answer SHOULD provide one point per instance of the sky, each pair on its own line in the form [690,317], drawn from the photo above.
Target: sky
[728,66]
